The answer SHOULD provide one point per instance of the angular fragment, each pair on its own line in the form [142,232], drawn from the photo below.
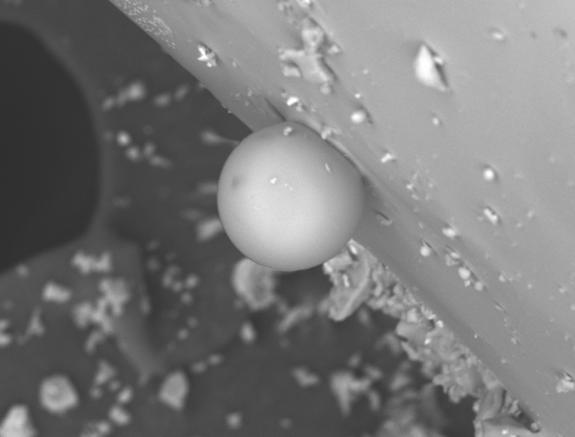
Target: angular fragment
[354,277]
[429,69]
[56,293]
[57,395]
[254,284]
[17,423]
[174,390]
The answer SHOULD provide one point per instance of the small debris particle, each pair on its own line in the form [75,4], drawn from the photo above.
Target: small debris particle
[104,373]
[286,423]
[56,293]
[328,132]
[174,390]
[429,69]
[248,333]
[234,420]
[58,395]
[207,56]
[181,91]
[101,428]
[23,271]
[17,423]
[87,263]
[305,4]
[207,188]
[132,92]
[199,367]
[95,338]
[210,137]
[497,34]
[208,228]
[312,35]
[479,286]
[254,284]
[295,316]
[183,334]
[305,377]
[436,120]
[387,157]
[123,138]
[491,215]
[347,388]
[359,116]
[35,327]
[450,232]
[119,416]
[121,202]
[565,383]
[125,395]
[115,294]
[310,66]
[425,250]
[215,360]
[5,338]
[191,281]
[294,101]
[351,275]
[464,273]
[163,100]
[489,174]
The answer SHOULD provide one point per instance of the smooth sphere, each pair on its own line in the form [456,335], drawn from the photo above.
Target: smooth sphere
[287,199]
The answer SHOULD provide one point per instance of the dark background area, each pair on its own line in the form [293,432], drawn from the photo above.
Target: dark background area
[49,164]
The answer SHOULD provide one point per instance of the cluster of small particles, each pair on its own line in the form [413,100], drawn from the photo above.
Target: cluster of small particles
[408,407]
[146,151]
[140,146]
[58,396]
[356,381]
[96,294]
[359,278]
[136,92]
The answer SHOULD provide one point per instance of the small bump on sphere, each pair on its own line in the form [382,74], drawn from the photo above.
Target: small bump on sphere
[289,202]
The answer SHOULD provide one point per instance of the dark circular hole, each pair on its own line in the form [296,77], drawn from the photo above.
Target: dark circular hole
[49,161]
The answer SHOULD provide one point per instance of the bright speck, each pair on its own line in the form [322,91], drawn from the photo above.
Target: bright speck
[207,56]
[359,116]
[491,215]
[565,383]
[449,232]
[497,34]
[489,174]
[387,157]
[429,69]
[464,273]
[425,250]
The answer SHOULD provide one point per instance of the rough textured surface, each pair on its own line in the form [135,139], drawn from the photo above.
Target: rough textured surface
[460,116]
